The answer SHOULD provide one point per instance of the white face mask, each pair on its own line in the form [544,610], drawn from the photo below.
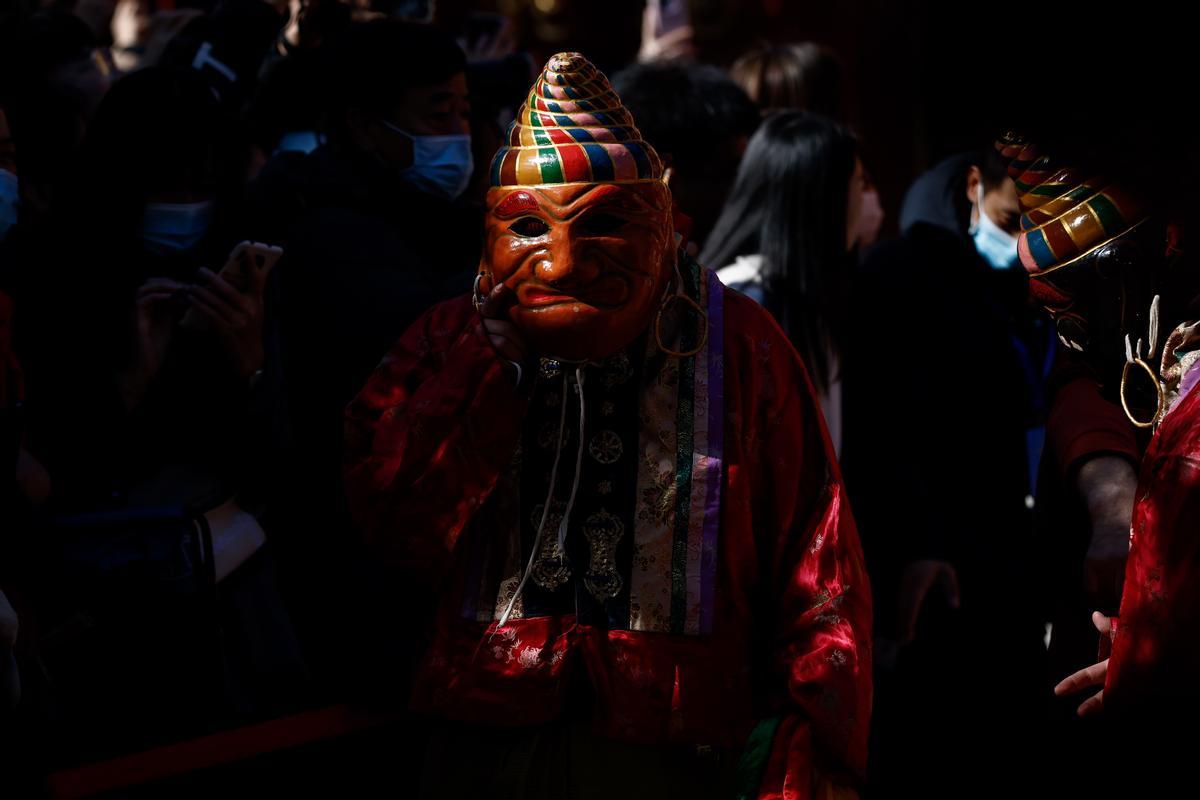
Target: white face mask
[997,246]
[169,228]
[442,165]
[10,198]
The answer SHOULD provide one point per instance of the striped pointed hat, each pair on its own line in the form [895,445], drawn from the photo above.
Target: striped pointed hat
[573,129]
[1066,213]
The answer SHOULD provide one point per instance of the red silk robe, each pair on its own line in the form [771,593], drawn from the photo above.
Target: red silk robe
[1154,670]
[433,434]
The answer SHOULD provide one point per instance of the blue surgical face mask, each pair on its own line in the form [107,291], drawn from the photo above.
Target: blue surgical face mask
[169,228]
[997,246]
[299,142]
[442,165]
[9,200]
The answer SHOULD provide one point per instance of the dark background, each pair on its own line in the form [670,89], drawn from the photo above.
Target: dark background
[929,78]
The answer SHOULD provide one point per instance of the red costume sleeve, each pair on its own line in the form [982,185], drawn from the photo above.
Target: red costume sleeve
[814,569]
[1081,423]
[1152,674]
[427,437]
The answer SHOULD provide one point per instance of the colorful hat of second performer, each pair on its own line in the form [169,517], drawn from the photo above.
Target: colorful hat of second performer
[573,129]
[1066,213]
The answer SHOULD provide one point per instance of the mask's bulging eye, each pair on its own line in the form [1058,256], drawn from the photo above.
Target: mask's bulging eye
[529,227]
[600,224]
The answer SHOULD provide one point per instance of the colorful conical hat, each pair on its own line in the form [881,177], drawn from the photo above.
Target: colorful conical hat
[573,129]
[1066,213]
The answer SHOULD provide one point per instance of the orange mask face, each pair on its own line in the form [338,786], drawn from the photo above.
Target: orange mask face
[588,263]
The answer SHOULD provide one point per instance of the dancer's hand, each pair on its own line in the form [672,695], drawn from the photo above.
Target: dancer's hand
[505,337]
[1089,676]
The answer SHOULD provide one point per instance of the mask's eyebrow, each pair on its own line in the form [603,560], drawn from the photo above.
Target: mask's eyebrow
[602,192]
[608,197]
[515,205]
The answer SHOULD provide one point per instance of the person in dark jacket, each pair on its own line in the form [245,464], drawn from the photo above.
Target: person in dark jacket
[699,121]
[147,400]
[936,463]
[376,227]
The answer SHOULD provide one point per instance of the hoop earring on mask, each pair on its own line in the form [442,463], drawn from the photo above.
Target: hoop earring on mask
[1158,387]
[478,298]
[671,298]
[1136,356]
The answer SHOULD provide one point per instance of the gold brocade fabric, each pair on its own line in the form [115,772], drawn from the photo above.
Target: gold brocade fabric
[1180,355]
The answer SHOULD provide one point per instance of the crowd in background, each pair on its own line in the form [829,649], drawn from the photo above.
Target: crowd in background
[175,554]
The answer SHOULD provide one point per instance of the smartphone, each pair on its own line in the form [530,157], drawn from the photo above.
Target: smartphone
[248,266]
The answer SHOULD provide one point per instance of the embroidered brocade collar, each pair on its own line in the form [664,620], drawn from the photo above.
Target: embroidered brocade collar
[640,546]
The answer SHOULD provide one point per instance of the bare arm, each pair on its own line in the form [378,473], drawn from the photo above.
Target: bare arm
[1108,485]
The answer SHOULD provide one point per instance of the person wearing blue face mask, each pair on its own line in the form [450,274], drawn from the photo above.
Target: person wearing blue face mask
[995,219]
[968,194]
[150,385]
[943,374]
[174,228]
[379,223]
[425,142]
[441,165]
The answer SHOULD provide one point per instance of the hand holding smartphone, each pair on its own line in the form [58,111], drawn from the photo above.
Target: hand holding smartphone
[246,270]
[249,264]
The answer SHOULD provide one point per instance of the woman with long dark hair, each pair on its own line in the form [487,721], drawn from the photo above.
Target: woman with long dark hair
[788,234]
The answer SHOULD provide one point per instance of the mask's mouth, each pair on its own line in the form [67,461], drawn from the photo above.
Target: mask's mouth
[606,293]
[540,298]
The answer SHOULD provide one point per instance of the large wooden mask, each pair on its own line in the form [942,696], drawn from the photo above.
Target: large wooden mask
[578,219]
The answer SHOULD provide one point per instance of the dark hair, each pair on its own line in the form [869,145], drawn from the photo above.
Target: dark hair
[682,109]
[993,172]
[788,204]
[803,76]
[45,116]
[35,45]
[284,100]
[992,168]
[372,64]
[156,130]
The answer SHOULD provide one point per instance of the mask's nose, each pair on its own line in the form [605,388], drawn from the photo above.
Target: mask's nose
[567,265]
